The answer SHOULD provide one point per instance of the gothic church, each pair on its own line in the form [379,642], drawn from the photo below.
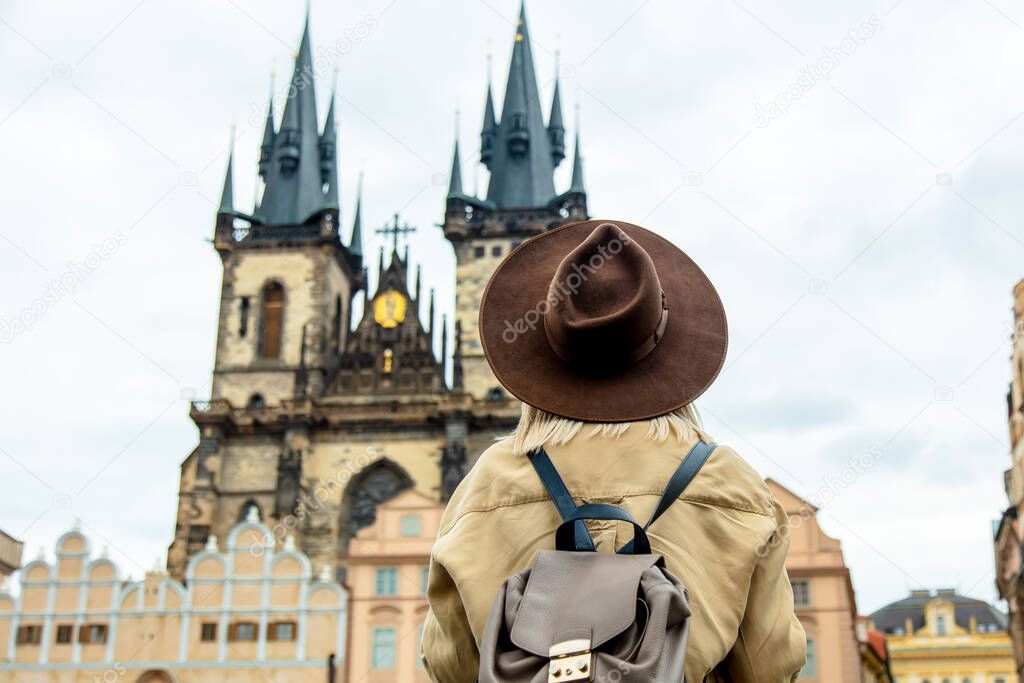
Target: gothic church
[315,418]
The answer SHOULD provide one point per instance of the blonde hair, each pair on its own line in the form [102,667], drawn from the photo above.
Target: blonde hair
[538,428]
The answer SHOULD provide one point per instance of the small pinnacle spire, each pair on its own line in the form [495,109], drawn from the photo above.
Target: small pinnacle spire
[419,282]
[455,179]
[576,185]
[430,328]
[355,245]
[267,146]
[227,194]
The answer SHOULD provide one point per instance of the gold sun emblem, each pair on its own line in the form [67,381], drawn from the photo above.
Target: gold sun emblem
[389,308]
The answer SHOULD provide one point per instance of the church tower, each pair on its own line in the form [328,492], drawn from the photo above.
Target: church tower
[521,153]
[317,417]
[288,277]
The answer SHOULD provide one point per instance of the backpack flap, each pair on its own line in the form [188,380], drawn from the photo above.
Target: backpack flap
[575,597]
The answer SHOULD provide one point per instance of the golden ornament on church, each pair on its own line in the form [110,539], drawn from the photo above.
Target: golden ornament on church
[389,308]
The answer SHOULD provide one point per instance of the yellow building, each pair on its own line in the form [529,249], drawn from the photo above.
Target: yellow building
[943,637]
[247,609]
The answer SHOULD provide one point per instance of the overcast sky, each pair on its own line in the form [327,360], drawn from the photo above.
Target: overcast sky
[861,229]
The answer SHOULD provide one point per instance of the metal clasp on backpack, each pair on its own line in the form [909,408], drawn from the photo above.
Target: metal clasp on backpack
[571,660]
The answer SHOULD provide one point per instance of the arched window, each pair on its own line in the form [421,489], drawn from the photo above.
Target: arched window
[256,402]
[271,320]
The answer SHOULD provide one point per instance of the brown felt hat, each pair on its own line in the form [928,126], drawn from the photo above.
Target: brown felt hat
[602,321]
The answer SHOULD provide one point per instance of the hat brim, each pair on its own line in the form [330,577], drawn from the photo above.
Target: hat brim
[679,369]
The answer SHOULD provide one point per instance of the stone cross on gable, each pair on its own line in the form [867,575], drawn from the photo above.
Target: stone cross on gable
[395,230]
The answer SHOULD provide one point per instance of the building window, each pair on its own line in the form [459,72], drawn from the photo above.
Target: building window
[810,669]
[387,581]
[243,631]
[65,634]
[479,252]
[801,593]
[208,632]
[940,625]
[30,634]
[410,526]
[424,580]
[243,317]
[272,320]
[389,361]
[92,633]
[382,653]
[281,630]
[496,250]
[197,536]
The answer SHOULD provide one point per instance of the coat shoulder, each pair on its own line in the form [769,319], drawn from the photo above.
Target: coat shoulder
[727,480]
[497,478]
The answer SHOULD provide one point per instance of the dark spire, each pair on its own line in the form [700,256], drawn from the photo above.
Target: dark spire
[522,170]
[419,283]
[455,181]
[227,194]
[329,158]
[556,129]
[294,186]
[355,245]
[267,146]
[490,126]
[577,168]
[431,314]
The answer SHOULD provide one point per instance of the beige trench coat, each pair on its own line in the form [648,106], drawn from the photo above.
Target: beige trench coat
[721,538]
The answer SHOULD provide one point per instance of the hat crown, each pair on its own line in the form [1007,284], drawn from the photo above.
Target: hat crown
[606,306]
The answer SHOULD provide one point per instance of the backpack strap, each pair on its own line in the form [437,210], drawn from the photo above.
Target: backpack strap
[560,496]
[563,501]
[682,477]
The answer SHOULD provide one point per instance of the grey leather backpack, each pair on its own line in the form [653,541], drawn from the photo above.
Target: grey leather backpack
[580,615]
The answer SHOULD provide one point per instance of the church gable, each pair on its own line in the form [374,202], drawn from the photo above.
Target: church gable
[391,351]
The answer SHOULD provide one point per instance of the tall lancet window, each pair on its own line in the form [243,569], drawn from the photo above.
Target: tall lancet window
[271,320]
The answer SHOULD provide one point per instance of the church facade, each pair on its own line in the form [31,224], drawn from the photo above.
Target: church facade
[317,415]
